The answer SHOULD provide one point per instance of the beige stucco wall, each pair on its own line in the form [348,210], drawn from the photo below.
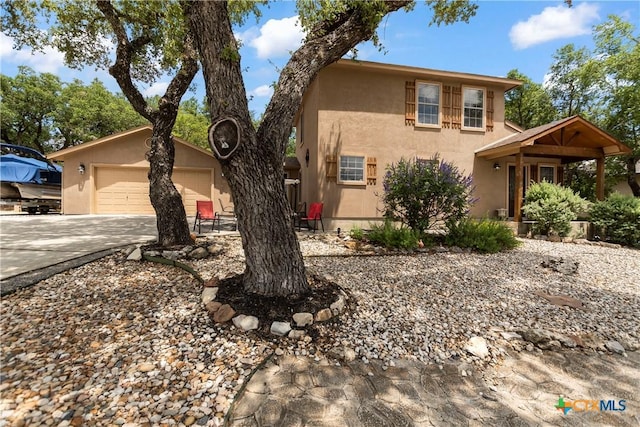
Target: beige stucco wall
[127,151]
[361,112]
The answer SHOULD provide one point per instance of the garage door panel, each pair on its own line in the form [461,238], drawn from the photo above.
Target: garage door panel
[121,190]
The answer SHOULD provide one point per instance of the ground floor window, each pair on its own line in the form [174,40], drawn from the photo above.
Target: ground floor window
[547,173]
[351,169]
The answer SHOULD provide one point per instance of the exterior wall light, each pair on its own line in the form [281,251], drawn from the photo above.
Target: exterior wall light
[81,169]
[496,166]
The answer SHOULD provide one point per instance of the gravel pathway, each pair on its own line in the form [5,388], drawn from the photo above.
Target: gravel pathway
[117,342]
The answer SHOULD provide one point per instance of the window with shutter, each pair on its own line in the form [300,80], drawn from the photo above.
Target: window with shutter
[428,104]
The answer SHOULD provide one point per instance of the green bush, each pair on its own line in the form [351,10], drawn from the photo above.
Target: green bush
[484,235]
[356,233]
[423,193]
[391,237]
[552,207]
[617,219]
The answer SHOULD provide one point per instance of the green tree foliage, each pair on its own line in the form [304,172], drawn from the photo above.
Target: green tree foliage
[618,219]
[573,82]
[603,86]
[192,123]
[88,112]
[423,194]
[29,102]
[528,105]
[618,54]
[138,42]
[552,207]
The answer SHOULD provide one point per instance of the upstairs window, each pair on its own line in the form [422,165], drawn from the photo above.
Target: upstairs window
[473,100]
[428,104]
[351,169]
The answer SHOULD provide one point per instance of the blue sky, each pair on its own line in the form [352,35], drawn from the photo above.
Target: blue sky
[503,35]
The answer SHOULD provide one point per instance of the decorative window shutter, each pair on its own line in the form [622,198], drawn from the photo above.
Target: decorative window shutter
[489,111]
[560,174]
[456,116]
[372,171]
[332,167]
[446,106]
[534,173]
[410,104]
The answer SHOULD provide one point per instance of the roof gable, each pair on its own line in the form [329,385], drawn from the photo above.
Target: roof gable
[148,129]
[573,135]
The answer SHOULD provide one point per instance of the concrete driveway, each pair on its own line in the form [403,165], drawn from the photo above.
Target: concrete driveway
[33,242]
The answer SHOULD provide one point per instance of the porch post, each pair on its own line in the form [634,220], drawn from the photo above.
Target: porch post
[517,202]
[600,178]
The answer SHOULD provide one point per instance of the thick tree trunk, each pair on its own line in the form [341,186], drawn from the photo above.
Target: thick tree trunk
[631,176]
[274,263]
[171,218]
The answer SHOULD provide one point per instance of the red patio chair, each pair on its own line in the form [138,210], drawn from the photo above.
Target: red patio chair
[204,212]
[315,215]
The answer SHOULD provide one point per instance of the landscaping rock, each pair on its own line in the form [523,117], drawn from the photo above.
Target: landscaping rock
[212,307]
[136,255]
[198,253]
[561,265]
[246,323]
[280,328]
[477,346]
[324,315]
[338,306]
[209,294]
[224,313]
[615,347]
[303,319]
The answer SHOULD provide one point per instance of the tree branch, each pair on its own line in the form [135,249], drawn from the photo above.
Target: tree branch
[120,70]
[327,42]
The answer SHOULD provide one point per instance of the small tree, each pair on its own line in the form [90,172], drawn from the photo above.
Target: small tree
[552,207]
[424,193]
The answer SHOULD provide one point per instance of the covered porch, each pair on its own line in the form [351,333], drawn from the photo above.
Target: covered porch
[549,147]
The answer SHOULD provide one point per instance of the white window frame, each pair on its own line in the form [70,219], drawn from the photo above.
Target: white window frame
[364,170]
[417,114]
[484,108]
[555,172]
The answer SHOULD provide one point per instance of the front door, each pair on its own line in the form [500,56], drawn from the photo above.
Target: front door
[512,185]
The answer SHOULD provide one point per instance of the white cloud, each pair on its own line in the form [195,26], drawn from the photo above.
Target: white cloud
[50,60]
[262,91]
[277,37]
[158,88]
[554,23]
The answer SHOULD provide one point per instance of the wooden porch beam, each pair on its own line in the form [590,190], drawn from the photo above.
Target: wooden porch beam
[600,178]
[552,150]
[517,201]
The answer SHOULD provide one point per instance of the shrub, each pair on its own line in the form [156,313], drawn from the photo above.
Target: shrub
[391,237]
[618,219]
[485,235]
[422,193]
[356,233]
[552,207]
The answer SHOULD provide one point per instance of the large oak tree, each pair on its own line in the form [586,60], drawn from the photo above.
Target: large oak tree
[274,264]
[150,37]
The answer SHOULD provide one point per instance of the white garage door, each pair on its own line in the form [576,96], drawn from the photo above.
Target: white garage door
[122,190]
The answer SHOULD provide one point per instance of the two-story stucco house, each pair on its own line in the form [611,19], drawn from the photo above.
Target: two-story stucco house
[358,117]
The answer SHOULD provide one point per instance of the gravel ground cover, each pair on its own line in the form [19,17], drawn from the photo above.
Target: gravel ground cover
[119,342]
